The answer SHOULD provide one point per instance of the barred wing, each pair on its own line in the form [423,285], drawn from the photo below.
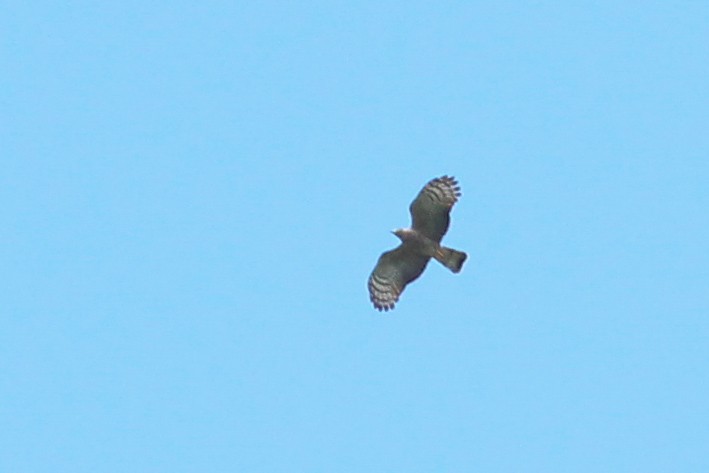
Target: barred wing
[431,208]
[394,270]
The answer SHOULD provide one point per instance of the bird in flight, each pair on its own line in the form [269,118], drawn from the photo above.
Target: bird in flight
[430,217]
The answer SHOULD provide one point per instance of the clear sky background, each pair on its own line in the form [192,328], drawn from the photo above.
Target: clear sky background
[193,194]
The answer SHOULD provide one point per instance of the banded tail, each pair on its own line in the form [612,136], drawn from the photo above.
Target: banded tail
[450,258]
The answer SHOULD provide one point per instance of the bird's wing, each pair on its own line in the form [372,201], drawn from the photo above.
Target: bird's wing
[431,208]
[394,270]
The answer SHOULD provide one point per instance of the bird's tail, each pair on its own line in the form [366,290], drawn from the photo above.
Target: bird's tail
[450,258]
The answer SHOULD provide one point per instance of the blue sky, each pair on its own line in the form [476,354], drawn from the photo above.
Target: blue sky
[193,196]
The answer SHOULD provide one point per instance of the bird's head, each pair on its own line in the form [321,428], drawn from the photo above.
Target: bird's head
[403,233]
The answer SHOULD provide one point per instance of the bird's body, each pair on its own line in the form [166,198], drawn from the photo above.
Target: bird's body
[402,265]
[419,243]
